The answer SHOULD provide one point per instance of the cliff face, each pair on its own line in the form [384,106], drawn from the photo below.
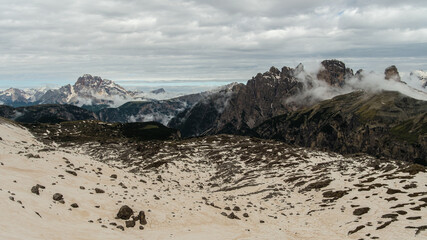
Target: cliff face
[387,124]
[238,109]
[264,96]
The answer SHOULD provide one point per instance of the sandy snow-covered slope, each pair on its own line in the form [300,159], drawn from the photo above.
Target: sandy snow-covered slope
[217,187]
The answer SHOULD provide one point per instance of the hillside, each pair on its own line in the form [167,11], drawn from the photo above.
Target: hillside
[385,124]
[217,187]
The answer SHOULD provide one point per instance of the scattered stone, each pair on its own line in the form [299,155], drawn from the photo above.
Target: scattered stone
[98,190]
[414,218]
[394,191]
[246,215]
[36,189]
[120,227]
[390,215]
[401,212]
[384,225]
[114,176]
[141,217]
[58,197]
[360,211]
[82,188]
[236,209]
[233,216]
[74,205]
[141,227]
[317,185]
[30,155]
[224,214]
[334,195]
[71,172]
[125,212]
[391,199]
[356,229]
[130,224]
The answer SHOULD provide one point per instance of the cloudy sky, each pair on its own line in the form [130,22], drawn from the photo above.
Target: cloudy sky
[51,42]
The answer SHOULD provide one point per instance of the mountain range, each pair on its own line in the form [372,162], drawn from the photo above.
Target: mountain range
[266,107]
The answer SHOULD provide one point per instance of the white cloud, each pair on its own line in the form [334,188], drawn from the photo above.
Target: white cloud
[56,40]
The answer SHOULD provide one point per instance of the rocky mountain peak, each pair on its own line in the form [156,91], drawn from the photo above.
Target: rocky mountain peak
[392,73]
[274,71]
[88,80]
[334,72]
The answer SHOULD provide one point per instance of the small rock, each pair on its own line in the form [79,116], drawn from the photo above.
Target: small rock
[82,188]
[360,211]
[141,217]
[113,176]
[236,209]
[224,214]
[121,227]
[245,215]
[141,227]
[71,172]
[130,223]
[125,212]
[233,216]
[98,190]
[58,197]
[74,205]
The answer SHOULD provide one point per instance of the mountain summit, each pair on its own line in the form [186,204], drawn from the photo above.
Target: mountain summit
[88,90]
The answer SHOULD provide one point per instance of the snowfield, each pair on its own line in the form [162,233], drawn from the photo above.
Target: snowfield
[217,187]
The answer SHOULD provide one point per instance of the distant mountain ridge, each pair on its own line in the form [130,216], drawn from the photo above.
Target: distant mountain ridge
[87,91]
[278,92]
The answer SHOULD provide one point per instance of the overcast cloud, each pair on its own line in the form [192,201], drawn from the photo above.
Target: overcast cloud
[54,42]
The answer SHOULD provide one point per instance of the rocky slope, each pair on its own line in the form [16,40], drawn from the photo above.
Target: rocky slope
[216,187]
[387,124]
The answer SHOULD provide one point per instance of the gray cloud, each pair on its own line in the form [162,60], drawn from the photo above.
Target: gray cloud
[51,41]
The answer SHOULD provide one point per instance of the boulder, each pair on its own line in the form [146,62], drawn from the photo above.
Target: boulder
[58,197]
[125,212]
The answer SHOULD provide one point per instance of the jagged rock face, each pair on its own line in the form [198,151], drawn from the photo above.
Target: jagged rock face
[334,73]
[387,124]
[391,73]
[263,97]
[242,107]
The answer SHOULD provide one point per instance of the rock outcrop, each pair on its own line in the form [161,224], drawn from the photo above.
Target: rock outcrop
[391,73]
[334,72]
